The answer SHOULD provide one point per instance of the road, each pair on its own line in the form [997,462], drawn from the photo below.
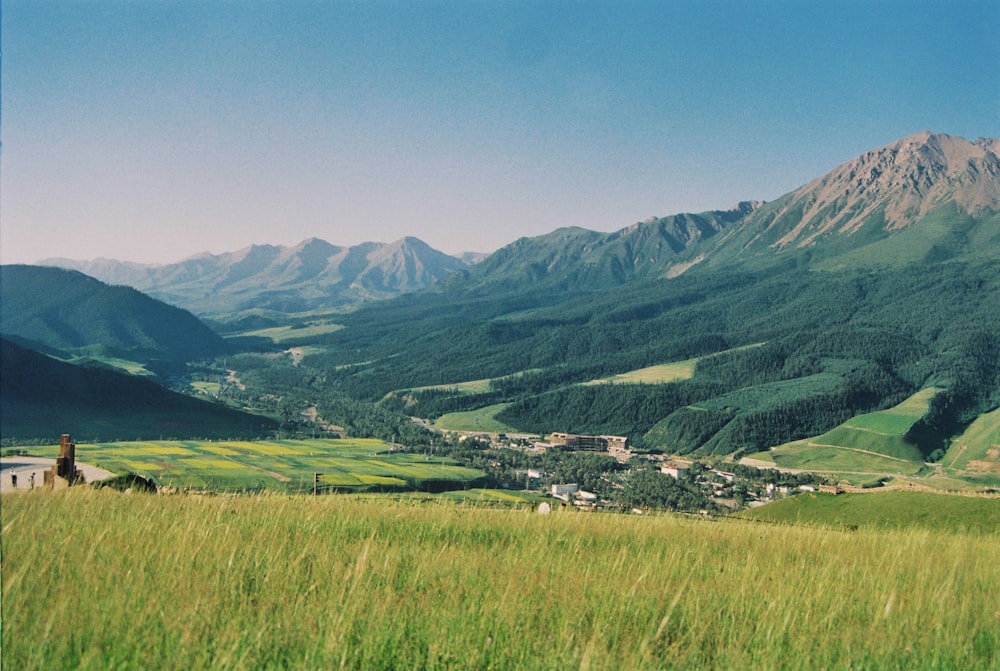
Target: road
[25,467]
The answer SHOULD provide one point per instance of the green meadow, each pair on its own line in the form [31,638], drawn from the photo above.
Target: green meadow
[975,454]
[96,579]
[355,464]
[869,443]
[931,511]
[480,420]
[661,374]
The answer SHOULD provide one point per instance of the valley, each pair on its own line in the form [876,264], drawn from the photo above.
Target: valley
[762,409]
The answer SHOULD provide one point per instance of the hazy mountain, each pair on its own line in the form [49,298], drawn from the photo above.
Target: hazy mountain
[67,310]
[312,274]
[41,398]
[579,259]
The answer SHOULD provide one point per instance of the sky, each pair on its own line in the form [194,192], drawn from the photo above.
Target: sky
[151,131]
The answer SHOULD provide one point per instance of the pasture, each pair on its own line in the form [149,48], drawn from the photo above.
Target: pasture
[931,511]
[355,464]
[869,443]
[95,579]
[480,420]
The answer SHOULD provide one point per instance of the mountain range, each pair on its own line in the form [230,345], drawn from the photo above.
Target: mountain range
[313,274]
[928,196]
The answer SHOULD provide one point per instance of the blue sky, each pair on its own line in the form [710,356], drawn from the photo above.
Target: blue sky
[152,131]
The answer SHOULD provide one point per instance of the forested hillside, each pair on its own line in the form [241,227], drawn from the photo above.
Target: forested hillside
[70,311]
[829,345]
[41,398]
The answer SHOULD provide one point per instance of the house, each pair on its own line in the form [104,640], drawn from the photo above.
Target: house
[676,469]
[564,492]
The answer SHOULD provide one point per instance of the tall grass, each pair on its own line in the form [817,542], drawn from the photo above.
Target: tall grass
[94,579]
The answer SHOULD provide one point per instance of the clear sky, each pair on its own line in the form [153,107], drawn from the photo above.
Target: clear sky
[150,131]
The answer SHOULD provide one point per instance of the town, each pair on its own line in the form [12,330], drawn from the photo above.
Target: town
[591,472]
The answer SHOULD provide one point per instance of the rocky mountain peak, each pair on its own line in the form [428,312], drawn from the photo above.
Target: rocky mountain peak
[902,181]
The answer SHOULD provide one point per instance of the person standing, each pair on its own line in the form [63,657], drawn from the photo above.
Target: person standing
[13,479]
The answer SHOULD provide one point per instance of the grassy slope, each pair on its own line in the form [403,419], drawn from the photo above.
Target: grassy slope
[978,448]
[474,420]
[304,582]
[896,509]
[870,443]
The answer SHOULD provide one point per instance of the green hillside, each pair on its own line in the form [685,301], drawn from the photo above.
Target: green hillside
[872,442]
[69,311]
[940,513]
[976,453]
[42,397]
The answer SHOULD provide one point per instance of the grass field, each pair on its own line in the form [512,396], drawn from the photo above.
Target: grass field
[869,443]
[977,450]
[661,374]
[473,386]
[480,420]
[283,334]
[94,579]
[940,513]
[284,465]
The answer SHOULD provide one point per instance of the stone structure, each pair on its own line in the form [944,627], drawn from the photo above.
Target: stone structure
[64,473]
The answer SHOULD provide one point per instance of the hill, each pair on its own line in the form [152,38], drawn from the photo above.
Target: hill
[42,397]
[313,274]
[67,310]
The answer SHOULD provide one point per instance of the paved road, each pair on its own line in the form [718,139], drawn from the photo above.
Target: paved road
[26,466]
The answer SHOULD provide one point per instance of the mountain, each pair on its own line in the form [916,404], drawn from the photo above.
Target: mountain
[67,310]
[313,274]
[578,259]
[41,398]
[847,295]
[927,197]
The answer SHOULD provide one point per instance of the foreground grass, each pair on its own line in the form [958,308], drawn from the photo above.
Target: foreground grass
[95,579]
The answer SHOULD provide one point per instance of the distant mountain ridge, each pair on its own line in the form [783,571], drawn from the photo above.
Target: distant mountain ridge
[312,274]
[926,197]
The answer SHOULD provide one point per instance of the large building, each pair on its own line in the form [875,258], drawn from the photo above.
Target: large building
[588,443]
[616,446]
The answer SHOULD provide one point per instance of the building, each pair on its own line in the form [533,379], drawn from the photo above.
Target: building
[676,469]
[583,443]
[564,492]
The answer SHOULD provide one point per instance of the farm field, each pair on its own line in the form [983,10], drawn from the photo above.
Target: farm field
[284,334]
[282,465]
[277,581]
[869,443]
